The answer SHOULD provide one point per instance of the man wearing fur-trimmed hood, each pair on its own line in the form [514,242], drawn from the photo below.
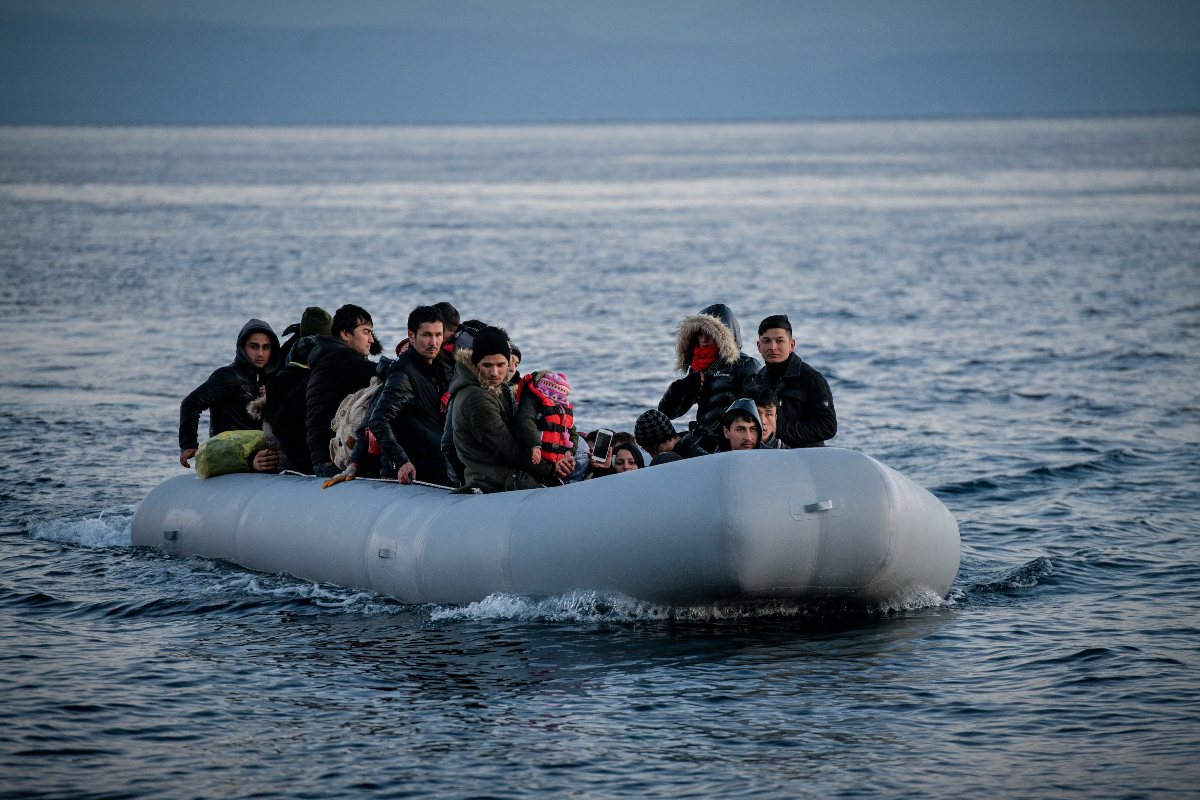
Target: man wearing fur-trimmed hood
[708,350]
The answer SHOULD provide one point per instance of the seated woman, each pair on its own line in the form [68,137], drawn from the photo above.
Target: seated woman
[626,457]
[484,424]
[598,469]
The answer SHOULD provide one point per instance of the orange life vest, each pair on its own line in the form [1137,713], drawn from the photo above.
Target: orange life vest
[554,420]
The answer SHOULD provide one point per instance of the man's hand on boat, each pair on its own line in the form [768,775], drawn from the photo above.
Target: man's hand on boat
[406,473]
[265,461]
[185,455]
[564,467]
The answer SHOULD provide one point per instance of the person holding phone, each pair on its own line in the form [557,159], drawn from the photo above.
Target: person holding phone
[484,423]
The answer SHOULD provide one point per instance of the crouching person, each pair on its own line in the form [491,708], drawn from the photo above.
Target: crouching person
[484,425]
[407,418]
[657,436]
[741,429]
[229,391]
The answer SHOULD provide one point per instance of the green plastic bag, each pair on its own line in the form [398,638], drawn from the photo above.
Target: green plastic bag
[228,452]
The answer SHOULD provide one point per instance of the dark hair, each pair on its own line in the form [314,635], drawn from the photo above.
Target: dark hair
[424,314]
[450,316]
[734,414]
[775,321]
[349,317]
[762,397]
[621,437]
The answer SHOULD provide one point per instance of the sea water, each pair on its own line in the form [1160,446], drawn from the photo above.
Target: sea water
[1008,312]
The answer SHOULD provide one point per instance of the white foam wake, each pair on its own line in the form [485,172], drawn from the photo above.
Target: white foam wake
[110,529]
[592,606]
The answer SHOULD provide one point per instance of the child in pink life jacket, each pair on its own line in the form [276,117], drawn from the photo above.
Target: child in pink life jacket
[545,422]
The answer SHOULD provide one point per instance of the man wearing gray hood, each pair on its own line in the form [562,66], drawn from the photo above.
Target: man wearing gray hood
[741,427]
[229,390]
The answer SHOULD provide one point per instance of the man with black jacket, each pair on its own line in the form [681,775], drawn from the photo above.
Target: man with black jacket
[229,390]
[407,417]
[806,416]
[338,366]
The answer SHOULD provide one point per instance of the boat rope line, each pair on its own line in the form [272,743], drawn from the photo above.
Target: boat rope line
[377,480]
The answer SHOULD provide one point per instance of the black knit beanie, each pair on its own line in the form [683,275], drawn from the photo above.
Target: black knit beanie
[653,428]
[316,321]
[489,342]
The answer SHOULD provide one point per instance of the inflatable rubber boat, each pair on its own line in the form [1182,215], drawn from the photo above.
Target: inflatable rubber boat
[821,524]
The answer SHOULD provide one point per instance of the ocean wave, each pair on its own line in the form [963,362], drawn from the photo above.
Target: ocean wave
[1024,576]
[110,529]
[598,606]
[1111,461]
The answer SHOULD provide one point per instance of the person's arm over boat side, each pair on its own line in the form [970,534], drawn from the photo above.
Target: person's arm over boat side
[230,389]
[408,408]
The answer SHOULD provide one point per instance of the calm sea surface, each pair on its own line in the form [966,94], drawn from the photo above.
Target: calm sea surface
[1008,313]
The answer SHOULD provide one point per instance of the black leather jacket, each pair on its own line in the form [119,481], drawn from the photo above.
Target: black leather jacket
[806,417]
[407,417]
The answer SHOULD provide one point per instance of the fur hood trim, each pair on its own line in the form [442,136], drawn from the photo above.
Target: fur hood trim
[257,408]
[685,340]
[463,357]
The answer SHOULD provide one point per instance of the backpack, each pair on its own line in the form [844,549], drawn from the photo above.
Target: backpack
[346,422]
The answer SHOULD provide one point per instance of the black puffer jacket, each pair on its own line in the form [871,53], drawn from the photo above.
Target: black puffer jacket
[228,391]
[407,417]
[728,379]
[806,417]
[335,370]
[286,406]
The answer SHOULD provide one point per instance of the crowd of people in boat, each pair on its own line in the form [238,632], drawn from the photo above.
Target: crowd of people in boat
[453,409]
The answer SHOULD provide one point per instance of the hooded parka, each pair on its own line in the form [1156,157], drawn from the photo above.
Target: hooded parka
[806,417]
[407,417]
[484,434]
[228,391]
[726,380]
[335,370]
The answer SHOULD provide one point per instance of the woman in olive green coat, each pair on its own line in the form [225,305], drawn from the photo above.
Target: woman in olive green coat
[484,421]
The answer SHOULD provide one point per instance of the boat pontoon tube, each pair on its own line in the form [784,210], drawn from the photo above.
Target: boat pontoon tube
[821,524]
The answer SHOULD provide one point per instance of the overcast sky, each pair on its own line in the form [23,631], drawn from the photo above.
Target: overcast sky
[534,60]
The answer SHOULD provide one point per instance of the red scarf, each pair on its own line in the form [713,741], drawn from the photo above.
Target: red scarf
[704,357]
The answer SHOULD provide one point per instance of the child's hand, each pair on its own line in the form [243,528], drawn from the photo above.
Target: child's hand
[536,456]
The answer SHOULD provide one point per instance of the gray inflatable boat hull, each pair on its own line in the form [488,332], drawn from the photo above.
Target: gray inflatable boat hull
[821,524]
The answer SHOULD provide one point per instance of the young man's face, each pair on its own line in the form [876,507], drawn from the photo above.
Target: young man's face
[775,345]
[359,339]
[513,362]
[742,435]
[427,340]
[493,369]
[767,415]
[258,349]
[663,447]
